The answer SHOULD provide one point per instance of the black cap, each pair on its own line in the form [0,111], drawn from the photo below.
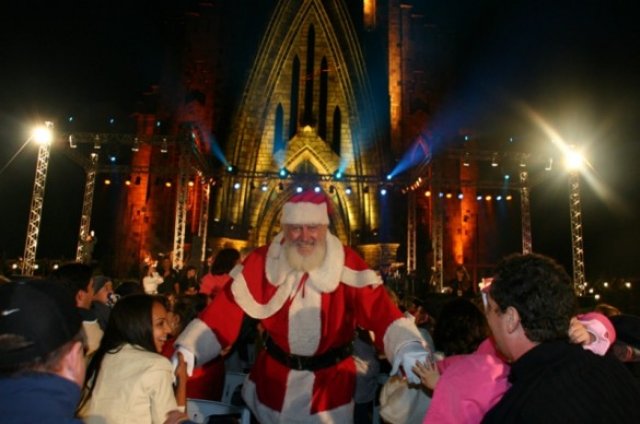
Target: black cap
[42,312]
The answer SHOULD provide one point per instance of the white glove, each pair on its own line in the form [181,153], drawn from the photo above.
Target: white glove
[407,356]
[189,358]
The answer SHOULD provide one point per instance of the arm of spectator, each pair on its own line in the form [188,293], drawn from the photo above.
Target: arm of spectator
[578,333]
[428,373]
[181,381]
[407,357]
[177,417]
[600,332]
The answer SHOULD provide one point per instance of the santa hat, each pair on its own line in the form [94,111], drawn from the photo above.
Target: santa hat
[306,208]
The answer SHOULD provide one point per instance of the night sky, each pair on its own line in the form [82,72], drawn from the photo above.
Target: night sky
[576,64]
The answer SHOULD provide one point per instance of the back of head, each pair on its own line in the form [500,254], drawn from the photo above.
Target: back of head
[37,319]
[130,322]
[540,290]
[225,260]
[460,328]
[127,288]
[187,308]
[75,275]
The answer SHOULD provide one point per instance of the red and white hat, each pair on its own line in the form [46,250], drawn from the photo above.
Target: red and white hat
[306,208]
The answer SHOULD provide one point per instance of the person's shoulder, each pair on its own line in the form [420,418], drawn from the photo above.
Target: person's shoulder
[136,353]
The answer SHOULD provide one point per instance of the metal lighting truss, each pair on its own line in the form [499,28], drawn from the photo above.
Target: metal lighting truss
[182,192]
[82,253]
[525,213]
[575,210]
[35,213]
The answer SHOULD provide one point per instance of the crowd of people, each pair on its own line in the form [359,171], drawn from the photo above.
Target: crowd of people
[333,344]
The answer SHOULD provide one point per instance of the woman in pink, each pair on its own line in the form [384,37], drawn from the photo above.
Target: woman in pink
[218,275]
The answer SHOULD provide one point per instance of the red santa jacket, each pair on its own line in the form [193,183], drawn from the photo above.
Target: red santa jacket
[304,314]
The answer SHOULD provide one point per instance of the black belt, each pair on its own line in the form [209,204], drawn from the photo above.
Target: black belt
[308,363]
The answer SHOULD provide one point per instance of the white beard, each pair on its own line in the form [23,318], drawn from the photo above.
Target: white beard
[305,263]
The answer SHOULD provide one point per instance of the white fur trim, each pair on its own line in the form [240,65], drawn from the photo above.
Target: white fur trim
[198,338]
[247,302]
[304,213]
[398,334]
[364,278]
[297,403]
[324,279]
[305,323]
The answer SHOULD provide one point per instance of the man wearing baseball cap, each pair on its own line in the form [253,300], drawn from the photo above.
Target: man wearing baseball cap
[309,292]
[42,365]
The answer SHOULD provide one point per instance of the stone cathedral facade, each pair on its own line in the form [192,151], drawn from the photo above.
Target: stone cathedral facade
[333,93]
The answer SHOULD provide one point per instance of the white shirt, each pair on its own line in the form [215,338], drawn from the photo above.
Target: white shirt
[134,386]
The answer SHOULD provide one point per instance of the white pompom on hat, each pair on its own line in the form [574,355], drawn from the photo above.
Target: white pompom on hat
[306,208]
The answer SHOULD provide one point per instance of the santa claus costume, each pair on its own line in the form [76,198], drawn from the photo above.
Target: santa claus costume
[306,373]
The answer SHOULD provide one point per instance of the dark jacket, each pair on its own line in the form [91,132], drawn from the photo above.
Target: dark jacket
[38,398]
[557,382]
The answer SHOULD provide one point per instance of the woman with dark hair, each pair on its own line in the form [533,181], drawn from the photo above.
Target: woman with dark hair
[127,379]
[218,275]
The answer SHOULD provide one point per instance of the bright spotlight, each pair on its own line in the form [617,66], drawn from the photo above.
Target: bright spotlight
[264,187]
[236,186]
[383,191]
[317,189]
[299,189]
[43,134]
[389,177]
[573,160]
[348,190]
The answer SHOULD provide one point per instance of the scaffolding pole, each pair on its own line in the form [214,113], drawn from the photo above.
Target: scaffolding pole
[437,244]
[411,232]
[85,239]
[182,192]
[204,218]
[525,213]
[35,212]
[575,210]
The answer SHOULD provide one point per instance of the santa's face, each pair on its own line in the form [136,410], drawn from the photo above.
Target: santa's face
[306,238]
[305,246]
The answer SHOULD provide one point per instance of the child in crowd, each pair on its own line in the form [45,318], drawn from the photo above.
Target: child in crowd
[127,379]
[207,380]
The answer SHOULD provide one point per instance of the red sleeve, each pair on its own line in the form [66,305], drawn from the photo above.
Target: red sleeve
[224,317]
[375,311]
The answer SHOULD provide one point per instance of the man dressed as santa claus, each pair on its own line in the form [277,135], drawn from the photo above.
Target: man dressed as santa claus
[310,293]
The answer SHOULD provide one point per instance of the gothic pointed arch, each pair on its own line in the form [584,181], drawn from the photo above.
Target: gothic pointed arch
[320,34]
